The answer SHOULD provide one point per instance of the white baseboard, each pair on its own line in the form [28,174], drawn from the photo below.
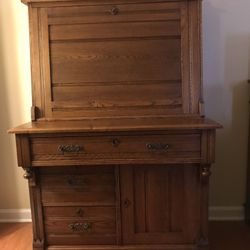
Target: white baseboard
[215,214]
[15,215]
[226,213]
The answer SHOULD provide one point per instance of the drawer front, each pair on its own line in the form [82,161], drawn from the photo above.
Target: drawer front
[78,186]
[80,231]
[80,212]
[114,13]
[165,148]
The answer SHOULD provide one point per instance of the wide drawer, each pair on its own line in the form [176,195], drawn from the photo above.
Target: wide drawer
[73,186]
[122,149]
[113,13]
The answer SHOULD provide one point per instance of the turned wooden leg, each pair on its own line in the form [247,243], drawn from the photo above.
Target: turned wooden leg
[36,209]
[203,242]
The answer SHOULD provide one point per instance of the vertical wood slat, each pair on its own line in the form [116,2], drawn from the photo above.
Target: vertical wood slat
[194,8]
[36,211]
[118,206]
[37,94]
[140,200]
[186,95]
[45,61]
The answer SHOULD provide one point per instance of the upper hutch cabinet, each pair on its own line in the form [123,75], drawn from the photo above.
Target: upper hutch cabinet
[115,58]
[118,152]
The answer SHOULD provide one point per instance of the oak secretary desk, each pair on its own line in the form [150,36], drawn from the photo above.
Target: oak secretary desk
[118,152]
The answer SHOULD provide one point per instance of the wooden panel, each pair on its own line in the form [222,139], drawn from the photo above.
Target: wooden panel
[126,13]
[124,95]
[111,148]
[107,75]
[112,62]
[156,204]
[61,226]
[92,213]
[80,239]
[96,187]
[114,31]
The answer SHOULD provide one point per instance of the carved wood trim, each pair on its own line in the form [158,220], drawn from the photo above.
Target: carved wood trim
[36,211]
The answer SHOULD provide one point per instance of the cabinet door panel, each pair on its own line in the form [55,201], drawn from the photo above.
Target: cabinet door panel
[160,204]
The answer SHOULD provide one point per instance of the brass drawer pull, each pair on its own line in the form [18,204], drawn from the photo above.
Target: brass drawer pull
[80,227]
[70,148]
[80,212]
[161,147]
[116,142]
[114,11]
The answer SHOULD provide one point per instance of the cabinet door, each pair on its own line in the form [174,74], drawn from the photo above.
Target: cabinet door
[160,204]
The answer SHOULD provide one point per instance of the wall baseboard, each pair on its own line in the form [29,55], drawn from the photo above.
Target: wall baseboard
[215,214]
[226,213]
[15,215]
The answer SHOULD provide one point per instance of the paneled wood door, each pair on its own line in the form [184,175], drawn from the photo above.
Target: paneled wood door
[160,204]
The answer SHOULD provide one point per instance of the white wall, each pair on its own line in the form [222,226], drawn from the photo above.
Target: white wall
[226,70]
[15,98]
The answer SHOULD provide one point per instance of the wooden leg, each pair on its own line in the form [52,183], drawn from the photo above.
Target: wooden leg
[203,242]
[36,209]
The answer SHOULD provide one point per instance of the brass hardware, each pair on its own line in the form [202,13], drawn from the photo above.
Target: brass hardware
[80,212]
[70,148]
[116,142]
[114,11]
[157,146]
[27,174]
[127,203]
[80,227]
[205,172]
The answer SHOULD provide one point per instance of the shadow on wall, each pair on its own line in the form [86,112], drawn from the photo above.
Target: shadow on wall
[10,102]
[226,64]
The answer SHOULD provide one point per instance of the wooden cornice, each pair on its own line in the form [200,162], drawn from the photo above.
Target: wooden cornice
[53,1]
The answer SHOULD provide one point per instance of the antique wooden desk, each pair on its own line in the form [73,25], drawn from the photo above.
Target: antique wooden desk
[118,152]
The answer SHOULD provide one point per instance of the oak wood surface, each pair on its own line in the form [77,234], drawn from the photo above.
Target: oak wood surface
[118,155]
[223,236]
[125,124]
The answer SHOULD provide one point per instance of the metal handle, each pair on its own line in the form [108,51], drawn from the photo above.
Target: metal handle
[114,11]
[80,227]
[80,212]
[70,148]
[116,142]
[127,203]
[157,147]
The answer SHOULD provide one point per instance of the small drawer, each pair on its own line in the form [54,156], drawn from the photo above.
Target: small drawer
[120,149]
[80,212]
[80,231]
[78,186]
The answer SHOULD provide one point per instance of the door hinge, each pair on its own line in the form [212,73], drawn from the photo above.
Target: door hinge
[34,113]
[201,108]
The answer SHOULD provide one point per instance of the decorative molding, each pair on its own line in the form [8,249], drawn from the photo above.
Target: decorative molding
[15,215]
[226,213]
[215,214]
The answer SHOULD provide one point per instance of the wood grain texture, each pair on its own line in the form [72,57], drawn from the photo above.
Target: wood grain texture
[178,146]
[125,124]
[223,235]
[118,155]
[149,219]
[143,42]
